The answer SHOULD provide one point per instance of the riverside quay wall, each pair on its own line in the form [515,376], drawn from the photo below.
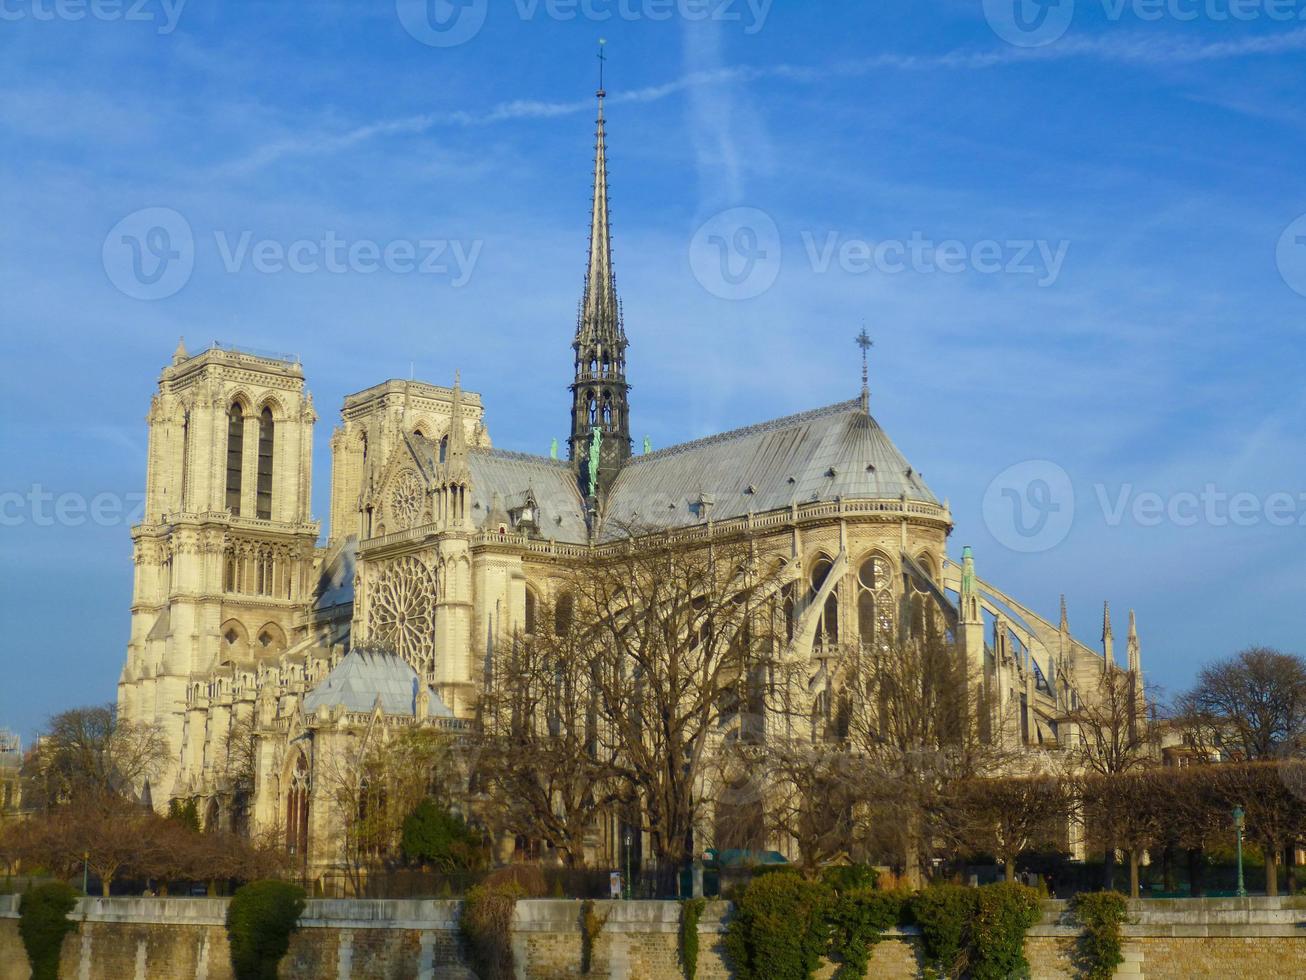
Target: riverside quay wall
[175,938]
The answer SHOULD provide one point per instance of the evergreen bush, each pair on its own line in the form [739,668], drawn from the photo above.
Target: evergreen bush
[778,931]
[260,920]
[691,910]
[1100,948]
[1004,913]
[857,919]
[42,923]
[944,914]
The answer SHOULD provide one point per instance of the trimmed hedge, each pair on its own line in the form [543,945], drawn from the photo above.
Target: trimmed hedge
[260,919]
[43,922]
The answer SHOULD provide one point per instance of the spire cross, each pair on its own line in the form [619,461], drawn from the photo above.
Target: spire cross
[865,343]
[602,61]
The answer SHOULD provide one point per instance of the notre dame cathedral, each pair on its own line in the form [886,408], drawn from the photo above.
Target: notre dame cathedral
[438,543]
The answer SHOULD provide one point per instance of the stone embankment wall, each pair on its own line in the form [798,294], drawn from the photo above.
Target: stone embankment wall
[175,938]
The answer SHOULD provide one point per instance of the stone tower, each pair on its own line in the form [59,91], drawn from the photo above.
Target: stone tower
[224,555]
[600,395]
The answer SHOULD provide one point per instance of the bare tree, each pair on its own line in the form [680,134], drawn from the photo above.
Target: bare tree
[1115,731]
[1010,815]
[675,630]
[1268,794]
[812,799]
[911,712]
[1254,703]
[92,752]
[374,779]
[546,769]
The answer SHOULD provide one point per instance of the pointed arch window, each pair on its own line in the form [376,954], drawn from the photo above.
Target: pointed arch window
[530,612]
[444,448]
[266,435]
[875,602]
[563,612]
[235,456]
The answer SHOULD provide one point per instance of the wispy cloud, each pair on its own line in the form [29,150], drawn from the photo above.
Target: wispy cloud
[1148,50]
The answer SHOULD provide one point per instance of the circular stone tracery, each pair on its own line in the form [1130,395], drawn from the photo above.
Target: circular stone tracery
[403,611]
[406,501]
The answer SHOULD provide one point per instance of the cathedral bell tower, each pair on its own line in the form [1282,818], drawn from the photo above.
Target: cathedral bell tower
[600,408]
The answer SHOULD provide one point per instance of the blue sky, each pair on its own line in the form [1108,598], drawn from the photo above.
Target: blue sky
[1107,279]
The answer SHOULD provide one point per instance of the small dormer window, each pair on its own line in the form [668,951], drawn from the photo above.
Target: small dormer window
[750,490]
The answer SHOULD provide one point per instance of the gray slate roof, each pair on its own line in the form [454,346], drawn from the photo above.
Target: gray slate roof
[363,676]
[832,452]
[510,476]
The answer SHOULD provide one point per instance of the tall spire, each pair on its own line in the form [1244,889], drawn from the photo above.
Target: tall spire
[1108,640]
[599,309]
[1134,647]
[600,394]
[865,343]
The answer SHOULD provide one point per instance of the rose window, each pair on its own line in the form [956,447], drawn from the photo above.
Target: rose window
[402,610]
[406,500]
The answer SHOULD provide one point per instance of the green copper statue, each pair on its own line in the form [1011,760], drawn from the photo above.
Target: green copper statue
[596,441]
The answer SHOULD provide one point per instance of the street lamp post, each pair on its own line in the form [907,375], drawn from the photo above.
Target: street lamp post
[630,884]
[1238,826]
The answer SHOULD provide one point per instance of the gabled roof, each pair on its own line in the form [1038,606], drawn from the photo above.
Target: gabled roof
[510,476]
[363,677]
[835,452]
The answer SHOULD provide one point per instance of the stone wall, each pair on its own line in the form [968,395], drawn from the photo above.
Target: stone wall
[167,938]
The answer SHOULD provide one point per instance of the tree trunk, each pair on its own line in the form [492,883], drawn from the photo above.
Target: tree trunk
[912,852]
[1271,871]
[105,882]
[1109,869]
[1290,862]
[1133,873]
[1011,869]
[1195,872]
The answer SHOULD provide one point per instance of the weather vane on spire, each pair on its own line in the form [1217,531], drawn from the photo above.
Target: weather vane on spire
[865,343]
[602,61]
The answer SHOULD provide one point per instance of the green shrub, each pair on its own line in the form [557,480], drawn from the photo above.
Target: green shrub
[486,918]
[944,914]
[691,910]
[260,919]
[1099,948]
[850,877]
[1004,913]
[43,922]
[857,919]
[778,930]
[436,836]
